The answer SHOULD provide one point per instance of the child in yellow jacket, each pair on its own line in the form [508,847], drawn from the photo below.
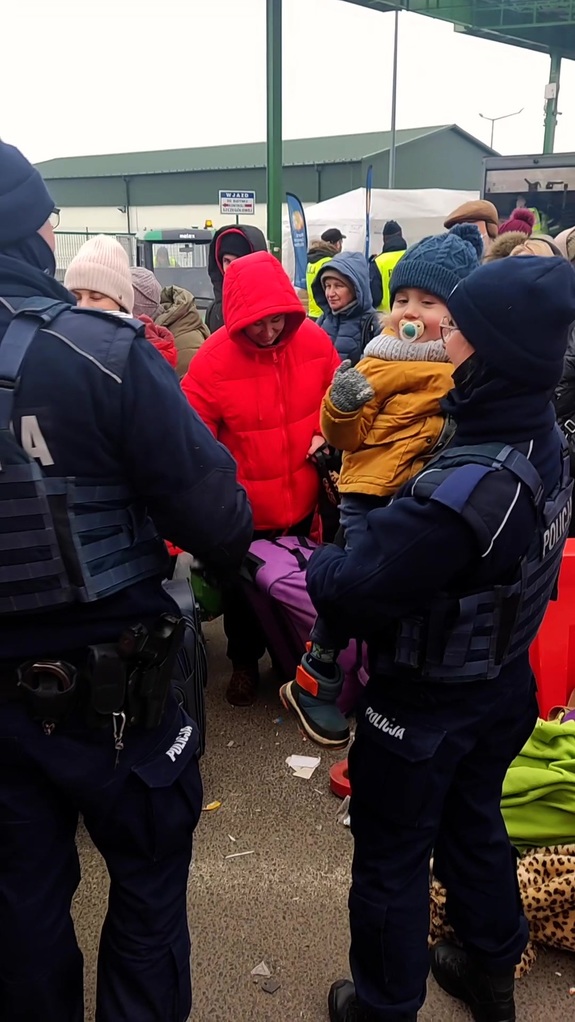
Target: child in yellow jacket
[385,415]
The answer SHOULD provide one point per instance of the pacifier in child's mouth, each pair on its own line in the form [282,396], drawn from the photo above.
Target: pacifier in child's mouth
[411,329]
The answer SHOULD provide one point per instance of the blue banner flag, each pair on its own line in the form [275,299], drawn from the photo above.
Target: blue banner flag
[368,186]
[298,230]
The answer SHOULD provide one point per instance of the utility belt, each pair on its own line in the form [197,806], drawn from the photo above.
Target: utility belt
[124,683]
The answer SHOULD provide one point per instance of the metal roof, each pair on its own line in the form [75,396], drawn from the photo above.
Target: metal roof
[547,25]
[297,152]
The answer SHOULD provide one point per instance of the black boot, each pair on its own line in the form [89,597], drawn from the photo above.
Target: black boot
[343,1006]
[490,997]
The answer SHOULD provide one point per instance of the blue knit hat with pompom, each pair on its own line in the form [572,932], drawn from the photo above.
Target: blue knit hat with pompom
[437,264]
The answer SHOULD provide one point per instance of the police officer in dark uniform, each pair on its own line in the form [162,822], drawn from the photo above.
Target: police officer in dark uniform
[100,455]
[449,586]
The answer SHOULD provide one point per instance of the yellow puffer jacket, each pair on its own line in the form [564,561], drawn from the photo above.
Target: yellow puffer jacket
[387,440]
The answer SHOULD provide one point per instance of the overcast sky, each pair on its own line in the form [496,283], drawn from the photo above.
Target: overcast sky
[103,76]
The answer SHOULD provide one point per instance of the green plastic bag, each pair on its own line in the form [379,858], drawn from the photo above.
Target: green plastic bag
[208,596]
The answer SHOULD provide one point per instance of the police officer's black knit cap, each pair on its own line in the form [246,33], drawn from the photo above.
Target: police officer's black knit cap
[390,228]
[516,313]
[25,203]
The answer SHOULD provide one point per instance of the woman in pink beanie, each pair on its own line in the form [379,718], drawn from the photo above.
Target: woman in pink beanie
[100,277]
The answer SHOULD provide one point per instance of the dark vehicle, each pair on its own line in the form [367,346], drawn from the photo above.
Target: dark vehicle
[544,184]
[179,257]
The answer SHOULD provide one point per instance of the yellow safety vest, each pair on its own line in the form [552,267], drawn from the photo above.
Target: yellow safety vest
[541,221]
[311,273]
[173,262]
[386,263]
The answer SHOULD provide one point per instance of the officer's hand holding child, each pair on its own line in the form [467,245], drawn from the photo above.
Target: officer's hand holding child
[350,389]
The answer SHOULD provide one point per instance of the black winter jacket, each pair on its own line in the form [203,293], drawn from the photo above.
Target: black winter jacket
[565,393]
[255,237]
[95,421]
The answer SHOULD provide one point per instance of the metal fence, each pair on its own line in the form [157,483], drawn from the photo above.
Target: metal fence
[68,244]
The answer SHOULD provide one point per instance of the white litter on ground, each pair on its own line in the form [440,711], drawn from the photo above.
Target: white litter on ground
[303,766]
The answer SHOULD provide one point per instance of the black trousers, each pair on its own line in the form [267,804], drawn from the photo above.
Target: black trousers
[426,770]
[246,640]
[140,811]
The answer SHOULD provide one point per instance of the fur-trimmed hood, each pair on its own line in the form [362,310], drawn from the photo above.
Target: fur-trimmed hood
[503,245]
[320,250]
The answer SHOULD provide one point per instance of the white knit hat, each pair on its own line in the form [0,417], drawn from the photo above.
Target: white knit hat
[102,265]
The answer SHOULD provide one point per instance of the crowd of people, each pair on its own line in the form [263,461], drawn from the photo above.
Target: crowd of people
[433,369]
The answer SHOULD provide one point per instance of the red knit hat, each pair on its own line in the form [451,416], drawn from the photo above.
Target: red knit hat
[522,220]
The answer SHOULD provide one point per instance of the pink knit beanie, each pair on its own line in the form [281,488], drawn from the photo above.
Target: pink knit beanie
[147,292]
[102,265]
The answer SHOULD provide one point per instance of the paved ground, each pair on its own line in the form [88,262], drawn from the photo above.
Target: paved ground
[286,903]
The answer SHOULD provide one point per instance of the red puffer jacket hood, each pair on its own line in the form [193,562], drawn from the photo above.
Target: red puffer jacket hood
[257,286]
[162,339]
[263,403]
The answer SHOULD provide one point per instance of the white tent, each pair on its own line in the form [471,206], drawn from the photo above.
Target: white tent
[420,211]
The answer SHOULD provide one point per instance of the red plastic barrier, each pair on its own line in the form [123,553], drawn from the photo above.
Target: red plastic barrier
[553,652]
[339,779]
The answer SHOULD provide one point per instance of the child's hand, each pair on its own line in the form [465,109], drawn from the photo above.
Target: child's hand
[350,389]
[317,442]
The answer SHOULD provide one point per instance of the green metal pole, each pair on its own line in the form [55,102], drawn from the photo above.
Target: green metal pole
[551,103]
[274,136]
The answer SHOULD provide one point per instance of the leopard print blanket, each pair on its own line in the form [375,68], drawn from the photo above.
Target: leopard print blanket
[547,883]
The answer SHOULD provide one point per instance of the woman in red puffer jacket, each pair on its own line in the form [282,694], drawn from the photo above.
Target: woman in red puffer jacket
[258,384]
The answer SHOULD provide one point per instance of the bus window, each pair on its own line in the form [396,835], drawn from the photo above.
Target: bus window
[164,256]
[548,191]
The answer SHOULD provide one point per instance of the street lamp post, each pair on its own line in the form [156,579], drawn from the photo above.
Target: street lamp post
[502,117]
[393,138]
[551,100]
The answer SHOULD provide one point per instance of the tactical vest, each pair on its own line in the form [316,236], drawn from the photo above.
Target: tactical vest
[313,309]
[471,637]
[63,540]
[386,263]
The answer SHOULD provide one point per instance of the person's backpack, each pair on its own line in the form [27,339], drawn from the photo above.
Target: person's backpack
[328,463]
[370,328]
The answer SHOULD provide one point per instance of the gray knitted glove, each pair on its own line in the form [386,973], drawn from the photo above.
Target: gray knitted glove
[350,389]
